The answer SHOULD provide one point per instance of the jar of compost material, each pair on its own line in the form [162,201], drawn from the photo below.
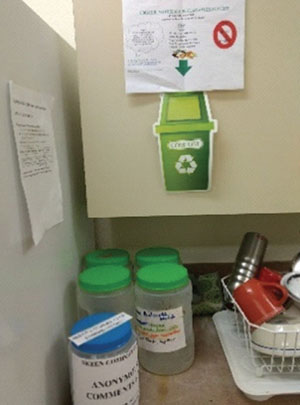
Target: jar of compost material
[105,289]
[154,255]
[115,257]
[105,369]
[164,322]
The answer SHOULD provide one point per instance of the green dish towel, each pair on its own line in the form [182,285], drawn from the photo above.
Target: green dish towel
[207,294]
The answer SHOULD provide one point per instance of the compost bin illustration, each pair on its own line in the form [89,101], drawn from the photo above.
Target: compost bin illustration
[185,133]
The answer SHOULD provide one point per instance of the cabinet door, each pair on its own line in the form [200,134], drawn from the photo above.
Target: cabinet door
[256,166]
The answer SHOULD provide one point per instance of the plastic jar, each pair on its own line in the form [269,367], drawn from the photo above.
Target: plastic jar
[105,289]
[105,369]
[155,255]
[164,323]
[104,257]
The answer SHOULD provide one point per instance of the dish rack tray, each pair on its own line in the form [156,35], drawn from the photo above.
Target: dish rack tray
[281,354]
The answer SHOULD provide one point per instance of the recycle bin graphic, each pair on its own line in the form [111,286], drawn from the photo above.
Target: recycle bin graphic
[185,132]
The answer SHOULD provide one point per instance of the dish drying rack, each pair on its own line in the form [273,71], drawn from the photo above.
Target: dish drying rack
[281,358]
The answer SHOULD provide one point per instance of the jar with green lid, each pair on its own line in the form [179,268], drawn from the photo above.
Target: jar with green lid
[155,255]
[164,324]
[101,257]
[105,289]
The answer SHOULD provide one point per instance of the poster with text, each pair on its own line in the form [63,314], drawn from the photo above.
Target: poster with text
[31,115]
[183,45]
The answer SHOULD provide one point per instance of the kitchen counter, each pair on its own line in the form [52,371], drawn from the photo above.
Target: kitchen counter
[207,382]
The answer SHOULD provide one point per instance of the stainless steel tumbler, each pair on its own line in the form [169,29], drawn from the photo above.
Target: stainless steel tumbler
[248,260]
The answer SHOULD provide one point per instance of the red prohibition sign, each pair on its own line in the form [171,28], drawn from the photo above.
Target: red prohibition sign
[225,38]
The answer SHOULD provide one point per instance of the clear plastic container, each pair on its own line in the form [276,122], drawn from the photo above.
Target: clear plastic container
[155,255]
[105,289]
[164,323]
[105,369]
[108,257]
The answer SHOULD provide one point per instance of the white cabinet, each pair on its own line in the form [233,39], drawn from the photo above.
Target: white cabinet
[256,150]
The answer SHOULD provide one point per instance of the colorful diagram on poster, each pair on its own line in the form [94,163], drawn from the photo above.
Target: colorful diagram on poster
[185,133]
[183,45]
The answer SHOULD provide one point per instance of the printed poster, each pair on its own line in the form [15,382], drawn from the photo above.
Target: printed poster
[34,136]
[183,45]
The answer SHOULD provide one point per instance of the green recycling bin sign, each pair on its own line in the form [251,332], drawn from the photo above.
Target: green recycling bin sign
[185,132]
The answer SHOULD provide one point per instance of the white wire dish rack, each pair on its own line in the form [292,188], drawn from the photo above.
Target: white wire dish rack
[264,360]
[273,347]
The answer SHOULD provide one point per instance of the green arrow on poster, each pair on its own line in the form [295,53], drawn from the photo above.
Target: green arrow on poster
[183,67]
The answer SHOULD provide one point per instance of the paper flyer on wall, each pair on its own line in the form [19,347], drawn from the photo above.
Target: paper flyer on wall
[183,45]
[34,137]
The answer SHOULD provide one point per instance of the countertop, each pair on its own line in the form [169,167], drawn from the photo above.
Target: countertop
[207,382]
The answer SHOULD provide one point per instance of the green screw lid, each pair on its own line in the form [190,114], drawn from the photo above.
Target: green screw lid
[153,255]
[104,279]
[101,257]
[162,277]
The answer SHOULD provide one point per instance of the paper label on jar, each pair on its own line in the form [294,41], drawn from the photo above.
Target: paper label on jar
[109,381]
[99,329]
[160,331]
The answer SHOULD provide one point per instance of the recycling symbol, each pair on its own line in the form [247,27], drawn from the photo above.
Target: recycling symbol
[186,164]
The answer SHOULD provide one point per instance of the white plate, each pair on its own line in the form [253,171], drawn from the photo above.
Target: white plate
[291,281]
[243,371]
[280,336]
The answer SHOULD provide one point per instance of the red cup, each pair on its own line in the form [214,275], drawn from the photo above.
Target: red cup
[268,275]
[259,300]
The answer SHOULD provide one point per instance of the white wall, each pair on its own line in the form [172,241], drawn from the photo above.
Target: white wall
[210,238]
[37,283]
[256,149]
[203,239]
[58,14]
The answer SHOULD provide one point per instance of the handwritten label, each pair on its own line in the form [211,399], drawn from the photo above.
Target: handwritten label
[160,331]
[99,329]
[109,380]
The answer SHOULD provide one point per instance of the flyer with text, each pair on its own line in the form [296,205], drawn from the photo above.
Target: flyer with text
[183,45]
